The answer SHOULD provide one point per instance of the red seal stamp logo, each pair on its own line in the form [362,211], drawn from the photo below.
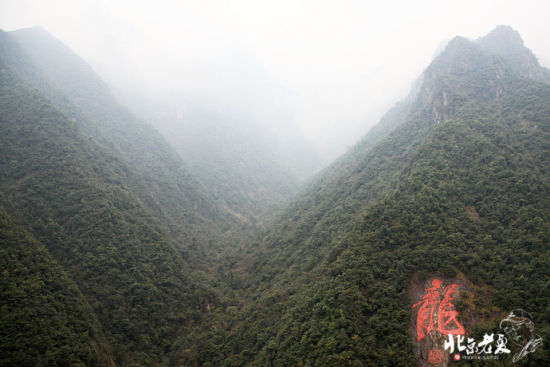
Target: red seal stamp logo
[434,356]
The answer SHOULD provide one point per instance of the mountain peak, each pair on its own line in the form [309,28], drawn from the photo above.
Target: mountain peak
[36,31]
[507,43]
[502,36]
[464,63]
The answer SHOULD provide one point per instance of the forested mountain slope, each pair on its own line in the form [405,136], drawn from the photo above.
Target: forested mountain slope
[457,188]
[44,318]
[71,195]
[241,175]
[156,174]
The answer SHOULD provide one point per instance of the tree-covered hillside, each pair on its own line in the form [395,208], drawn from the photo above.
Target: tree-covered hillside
[156,173]
[232,170]
[457,187]
[45,320]
[71,195]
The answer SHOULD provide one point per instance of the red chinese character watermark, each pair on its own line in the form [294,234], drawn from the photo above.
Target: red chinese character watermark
[440,301]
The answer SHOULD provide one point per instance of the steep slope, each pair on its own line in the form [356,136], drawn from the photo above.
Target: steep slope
[70,195]
[156,173]
[457,78]
[458,189]
[45,320]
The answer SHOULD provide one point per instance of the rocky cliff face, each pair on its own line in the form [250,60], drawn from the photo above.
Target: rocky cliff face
[464,69]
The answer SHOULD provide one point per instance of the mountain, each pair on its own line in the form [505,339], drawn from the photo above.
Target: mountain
[453,184]
[93,272]
[156,173]
[506,41]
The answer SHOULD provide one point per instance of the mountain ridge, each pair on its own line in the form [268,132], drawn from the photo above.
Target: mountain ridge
[331,282]
[155,171]
[64,191]
[74,195]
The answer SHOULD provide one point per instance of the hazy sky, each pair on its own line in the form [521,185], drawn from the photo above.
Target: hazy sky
[345,62]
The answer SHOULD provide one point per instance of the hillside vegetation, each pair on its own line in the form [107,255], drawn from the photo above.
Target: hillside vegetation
[455,185]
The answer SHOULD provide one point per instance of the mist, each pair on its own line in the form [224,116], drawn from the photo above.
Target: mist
[309,77]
